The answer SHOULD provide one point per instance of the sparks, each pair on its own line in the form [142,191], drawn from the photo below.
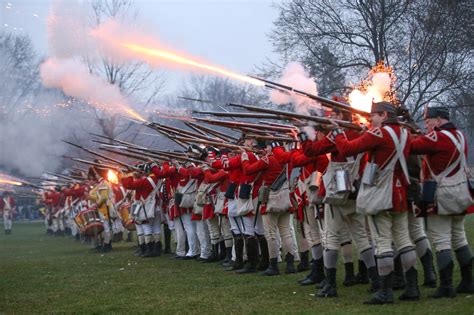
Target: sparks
[173,57]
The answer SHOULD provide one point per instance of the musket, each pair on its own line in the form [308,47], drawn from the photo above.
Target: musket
[166,134]
[194,99]
[104,156]
[274,138]
[214,132]
[180,132]
[236,124]
[238,114]
[133,156]
[325,101]
[114,167]
[114,140]
[217,144]
[162,155]
[61,176]
[316,119]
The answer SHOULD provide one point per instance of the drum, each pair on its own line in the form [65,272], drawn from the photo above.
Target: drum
[91,223]
[124,214]
[79,222]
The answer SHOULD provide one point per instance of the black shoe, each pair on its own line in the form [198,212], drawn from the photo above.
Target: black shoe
[349,279]
[251,243]
[310,278]
[304,262]
[330,288]
[385,294]
[214,254]
[399,282]
[222,251]
[158,248]
[272,269]
[190,257]
[149,249]
[428,270]
[167,237]
[228,256]
[375,283]
[290,264]
[140,251]
[412,291]
[107,248]
[264,262]
[362,276]
[466,285]
[446,288]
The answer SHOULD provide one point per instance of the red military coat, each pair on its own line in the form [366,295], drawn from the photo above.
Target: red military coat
[380,147]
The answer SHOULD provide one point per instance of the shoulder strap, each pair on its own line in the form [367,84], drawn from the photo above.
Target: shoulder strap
[399,148]
[188,185]
[459,146]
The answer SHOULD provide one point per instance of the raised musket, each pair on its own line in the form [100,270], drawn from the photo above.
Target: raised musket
[325,101]
[316,119]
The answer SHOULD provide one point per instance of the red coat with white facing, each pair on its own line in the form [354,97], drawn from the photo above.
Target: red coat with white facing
[438,148]
[380,147]
[221,179]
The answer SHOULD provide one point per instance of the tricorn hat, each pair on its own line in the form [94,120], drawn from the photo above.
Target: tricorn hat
[435,112]
[381,107]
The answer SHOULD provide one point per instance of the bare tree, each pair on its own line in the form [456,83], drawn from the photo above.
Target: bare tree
[134,79]
[427,41]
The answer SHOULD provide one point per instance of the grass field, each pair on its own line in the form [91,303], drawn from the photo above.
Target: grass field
[43,274]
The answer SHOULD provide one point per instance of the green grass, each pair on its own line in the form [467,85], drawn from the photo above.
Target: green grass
[43,274]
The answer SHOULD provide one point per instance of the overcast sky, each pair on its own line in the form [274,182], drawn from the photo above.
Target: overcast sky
[228,33]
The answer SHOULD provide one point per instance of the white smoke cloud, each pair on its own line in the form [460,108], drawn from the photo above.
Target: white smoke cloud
[375,92]
[295,76]
[74,79]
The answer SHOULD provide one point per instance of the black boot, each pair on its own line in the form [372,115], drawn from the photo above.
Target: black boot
[330,288]
[398,275]
[428,270]
[272,269]
[464,258]
[251,243]
[228,256]
[362,275]
[375,284]
[140,251]
[304,262]
[149,249]
[290,264]
[222,253]
[446,288]
[214,255]
[167,236]
[310,278]
[158,248]
[239,253]
[264,259]
[107,247]
[129,237]
[412,291]
[385,294]
[349,279]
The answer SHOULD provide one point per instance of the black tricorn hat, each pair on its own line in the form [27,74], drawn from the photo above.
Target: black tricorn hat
[435,112]
[381,107]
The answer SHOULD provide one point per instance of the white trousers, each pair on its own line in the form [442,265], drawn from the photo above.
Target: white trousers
[204,240]
[7,220]
[340,222]
[214,230]
[190,229]
[446,232]
[387,227]
[277,226]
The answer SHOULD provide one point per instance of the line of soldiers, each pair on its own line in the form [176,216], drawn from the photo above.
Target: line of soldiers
[386,190]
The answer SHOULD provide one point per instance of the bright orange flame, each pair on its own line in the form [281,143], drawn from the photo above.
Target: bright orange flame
[11,182]
[173,57]
[133,113]
[112,177]
[376,88]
